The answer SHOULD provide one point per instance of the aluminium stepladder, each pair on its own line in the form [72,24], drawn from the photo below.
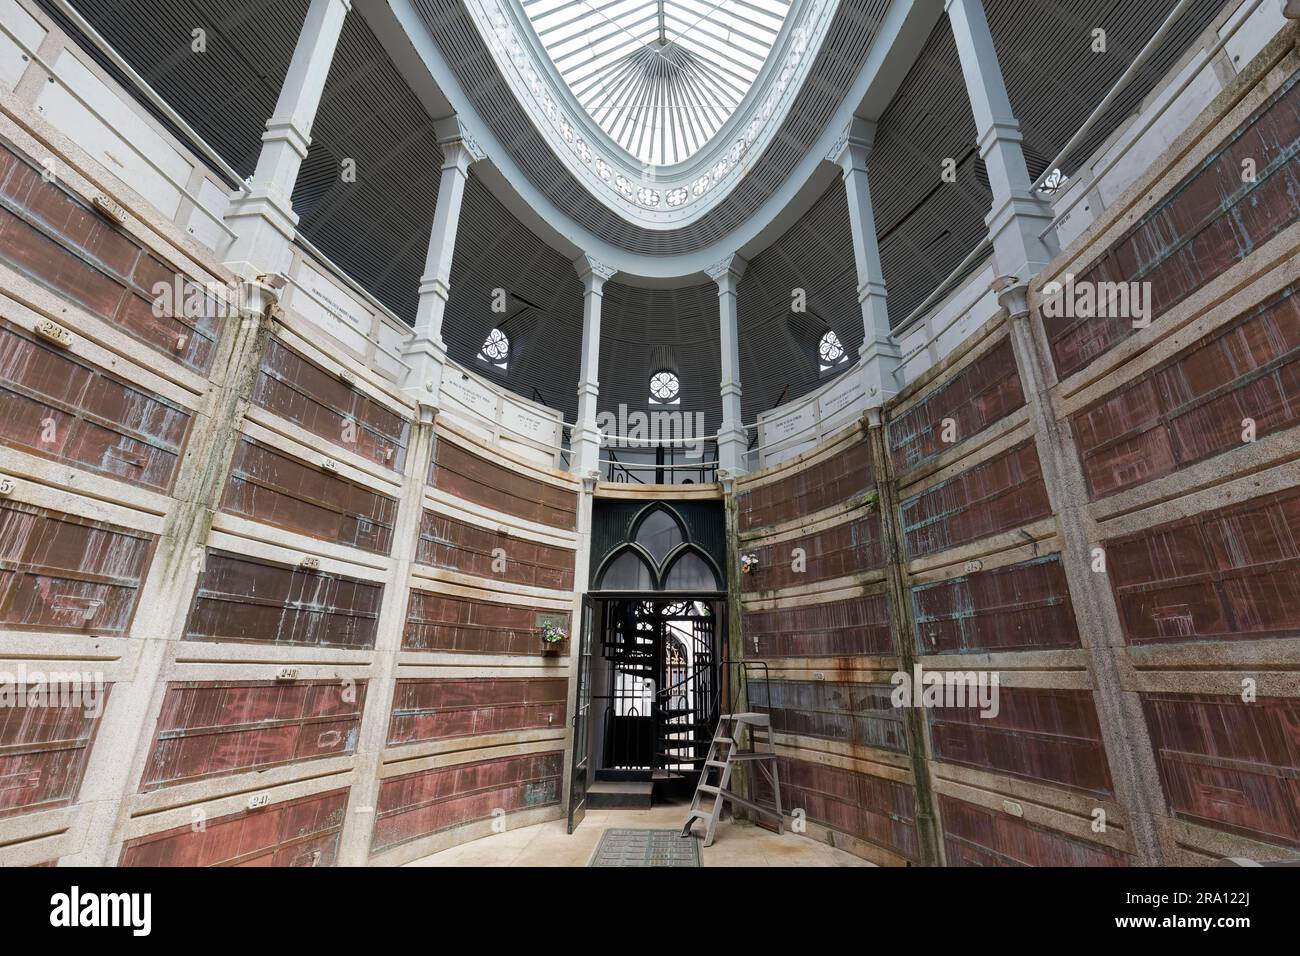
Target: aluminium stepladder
[727,737]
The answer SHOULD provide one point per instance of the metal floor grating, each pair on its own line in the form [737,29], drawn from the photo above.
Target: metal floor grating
[645,848]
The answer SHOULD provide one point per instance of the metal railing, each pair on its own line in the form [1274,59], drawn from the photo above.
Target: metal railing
[668,466]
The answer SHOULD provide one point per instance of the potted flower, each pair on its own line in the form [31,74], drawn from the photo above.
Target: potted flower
[553,637]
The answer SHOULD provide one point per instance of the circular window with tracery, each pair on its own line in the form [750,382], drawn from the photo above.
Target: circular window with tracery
[664,386]
[830,350]
[496,346]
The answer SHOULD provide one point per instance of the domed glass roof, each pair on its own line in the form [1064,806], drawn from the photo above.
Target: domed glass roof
[660,77]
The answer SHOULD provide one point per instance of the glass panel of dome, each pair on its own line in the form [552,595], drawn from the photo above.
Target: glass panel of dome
[660,77]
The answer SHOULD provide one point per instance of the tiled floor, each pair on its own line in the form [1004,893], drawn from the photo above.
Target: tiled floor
[547,844]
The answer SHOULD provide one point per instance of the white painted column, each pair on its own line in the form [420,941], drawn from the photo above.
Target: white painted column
[1020,224]
[731,436]
[426,353]
[263,219]
[880,355]
[585,442]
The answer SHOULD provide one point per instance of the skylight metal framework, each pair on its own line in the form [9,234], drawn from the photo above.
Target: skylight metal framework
[660,77]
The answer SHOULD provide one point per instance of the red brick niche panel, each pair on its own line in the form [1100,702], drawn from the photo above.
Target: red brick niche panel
[1228,764]
[269,486]
[1231,574]
[298,389]
[838,479]
[502,487]
[1192,407]
[858,714]
[55,239]
[460,546]
[209,729]
[1048,736]
[853,627]
[60,572]
[838,551]
[1208,223]
[420,804]
[1021,607]
[879,811]
[997,495]
[443,622]
[978,836]
[44,748]
[440,709]
[975,398]
[58,407]
[252,601]
[302,832]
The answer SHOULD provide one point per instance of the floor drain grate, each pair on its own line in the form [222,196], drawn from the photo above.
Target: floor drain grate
[646,848]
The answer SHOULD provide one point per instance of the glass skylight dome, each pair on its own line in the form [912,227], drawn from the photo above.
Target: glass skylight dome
[661,77]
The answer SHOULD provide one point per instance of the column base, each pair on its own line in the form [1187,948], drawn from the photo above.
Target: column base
[265,229]
[733,452]
[584,452]
[878,361]
[427,361]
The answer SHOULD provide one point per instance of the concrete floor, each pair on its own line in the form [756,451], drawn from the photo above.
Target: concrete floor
[547,844]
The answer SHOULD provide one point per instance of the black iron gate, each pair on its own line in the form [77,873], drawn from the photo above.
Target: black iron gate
[661,707]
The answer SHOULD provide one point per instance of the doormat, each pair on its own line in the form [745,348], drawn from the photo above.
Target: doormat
[646,848]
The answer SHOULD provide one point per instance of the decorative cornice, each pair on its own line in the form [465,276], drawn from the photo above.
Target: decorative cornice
[852,148]
[729,269]
[452,135]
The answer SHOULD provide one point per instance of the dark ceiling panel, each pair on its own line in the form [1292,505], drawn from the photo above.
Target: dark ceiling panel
[377,228]
[778,347]
[226,92]
[543,302]
[634,321]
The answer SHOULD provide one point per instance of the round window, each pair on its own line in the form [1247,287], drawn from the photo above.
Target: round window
[664,386]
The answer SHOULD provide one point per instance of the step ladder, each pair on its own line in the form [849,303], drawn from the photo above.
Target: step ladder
[727,738]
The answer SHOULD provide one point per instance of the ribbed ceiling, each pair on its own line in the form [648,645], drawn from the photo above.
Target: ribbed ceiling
[810,266]
[543,302]
[377,228]
[633,321]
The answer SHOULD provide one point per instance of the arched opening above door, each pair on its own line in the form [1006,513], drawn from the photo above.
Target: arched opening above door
[658,556]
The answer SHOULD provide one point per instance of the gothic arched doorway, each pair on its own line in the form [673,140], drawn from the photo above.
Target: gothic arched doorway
[655,616]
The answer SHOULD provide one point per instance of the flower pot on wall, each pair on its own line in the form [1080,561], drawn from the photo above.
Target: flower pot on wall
[552,633]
